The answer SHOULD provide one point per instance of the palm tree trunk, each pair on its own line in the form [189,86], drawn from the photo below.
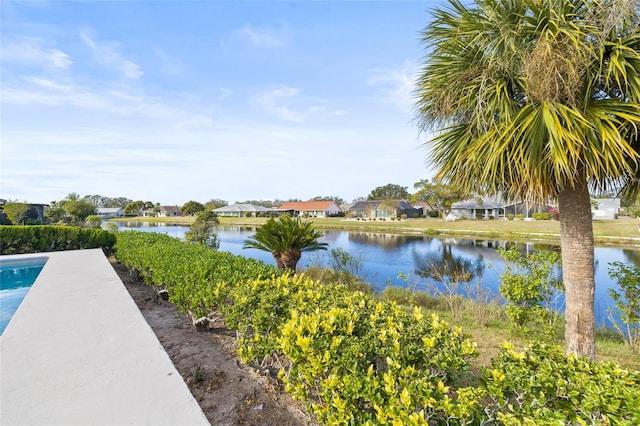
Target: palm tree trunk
[576,239]
[290,260]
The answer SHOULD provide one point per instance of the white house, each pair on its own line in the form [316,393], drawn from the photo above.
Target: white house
[242,210]
[107,212]
[605,208]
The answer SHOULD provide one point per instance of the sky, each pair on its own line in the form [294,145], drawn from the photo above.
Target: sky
[171,101]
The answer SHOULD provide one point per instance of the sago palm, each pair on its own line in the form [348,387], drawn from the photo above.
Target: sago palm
[286,238]
[538,100]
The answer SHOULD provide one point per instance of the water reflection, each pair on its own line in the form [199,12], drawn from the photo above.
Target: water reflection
[386,241]
[444,266]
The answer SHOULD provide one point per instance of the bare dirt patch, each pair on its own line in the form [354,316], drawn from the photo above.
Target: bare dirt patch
[228,392]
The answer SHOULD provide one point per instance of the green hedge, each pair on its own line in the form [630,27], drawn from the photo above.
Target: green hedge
[355,360]
[37,239]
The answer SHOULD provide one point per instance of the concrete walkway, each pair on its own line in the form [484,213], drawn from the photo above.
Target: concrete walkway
[79,352]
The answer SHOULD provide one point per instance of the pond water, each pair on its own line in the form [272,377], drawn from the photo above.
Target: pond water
[384,256]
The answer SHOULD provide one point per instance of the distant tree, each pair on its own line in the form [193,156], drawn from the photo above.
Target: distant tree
[277,202]
[286,238]
[16,212]
[93,221]
[203,230]
[79,210]
[100,201]
[355,200]
[389,192]
[190,208]
[56,212]
[264,203]
[215,204]
[335,199]
[133,208]
[437,195]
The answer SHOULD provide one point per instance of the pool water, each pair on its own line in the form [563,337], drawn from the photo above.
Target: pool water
[16,278]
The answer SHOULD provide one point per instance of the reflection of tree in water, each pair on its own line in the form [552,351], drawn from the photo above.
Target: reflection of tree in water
[386,241]
[633,256]
[443,266]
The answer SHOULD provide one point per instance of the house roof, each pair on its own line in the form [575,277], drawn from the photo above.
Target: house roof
[472,203]
[172,209]
[364,205]
[242,208]
[373,204]
[301,206]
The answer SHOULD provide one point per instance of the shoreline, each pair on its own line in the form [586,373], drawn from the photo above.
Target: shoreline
[610,233]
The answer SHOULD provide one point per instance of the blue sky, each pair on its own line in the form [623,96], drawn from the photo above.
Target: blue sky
[193,100]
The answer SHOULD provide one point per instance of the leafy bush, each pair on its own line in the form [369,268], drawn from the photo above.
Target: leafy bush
[93,221]
[369,362]
[542,386]
[541,216]
[37,239]
[520,216]
[627,303]
[510,216]
[357,360]
[197,278]
[529,285]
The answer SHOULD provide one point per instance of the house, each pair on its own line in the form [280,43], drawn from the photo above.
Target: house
[169,211]
[478,209]
[243,210]
[605,208]
[311,208]
[374,209]
[109,212]
[34,215]
[495,207]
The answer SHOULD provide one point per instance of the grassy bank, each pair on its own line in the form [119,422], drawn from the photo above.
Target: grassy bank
[618,232]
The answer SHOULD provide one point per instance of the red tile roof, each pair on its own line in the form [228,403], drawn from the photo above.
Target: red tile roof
[301,206]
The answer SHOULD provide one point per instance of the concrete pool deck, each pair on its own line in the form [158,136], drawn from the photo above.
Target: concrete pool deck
[79,352]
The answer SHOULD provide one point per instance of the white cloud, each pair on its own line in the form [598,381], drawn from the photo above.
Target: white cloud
[397,85]
[34,52]
[169,64]
[107,53]
[224,93]
[285,103]
[264,37]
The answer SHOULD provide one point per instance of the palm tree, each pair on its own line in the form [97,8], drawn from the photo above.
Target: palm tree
[286,238]
[538,100]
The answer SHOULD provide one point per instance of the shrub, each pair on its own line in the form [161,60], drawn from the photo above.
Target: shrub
[43,238]
[520,216]
[541,216]
[93,221]
[403,216]
[369,362]
[626,303]
[510,216]
[542,386]
[529,285]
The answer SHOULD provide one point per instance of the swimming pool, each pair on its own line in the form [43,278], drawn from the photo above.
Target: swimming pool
[16,278]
